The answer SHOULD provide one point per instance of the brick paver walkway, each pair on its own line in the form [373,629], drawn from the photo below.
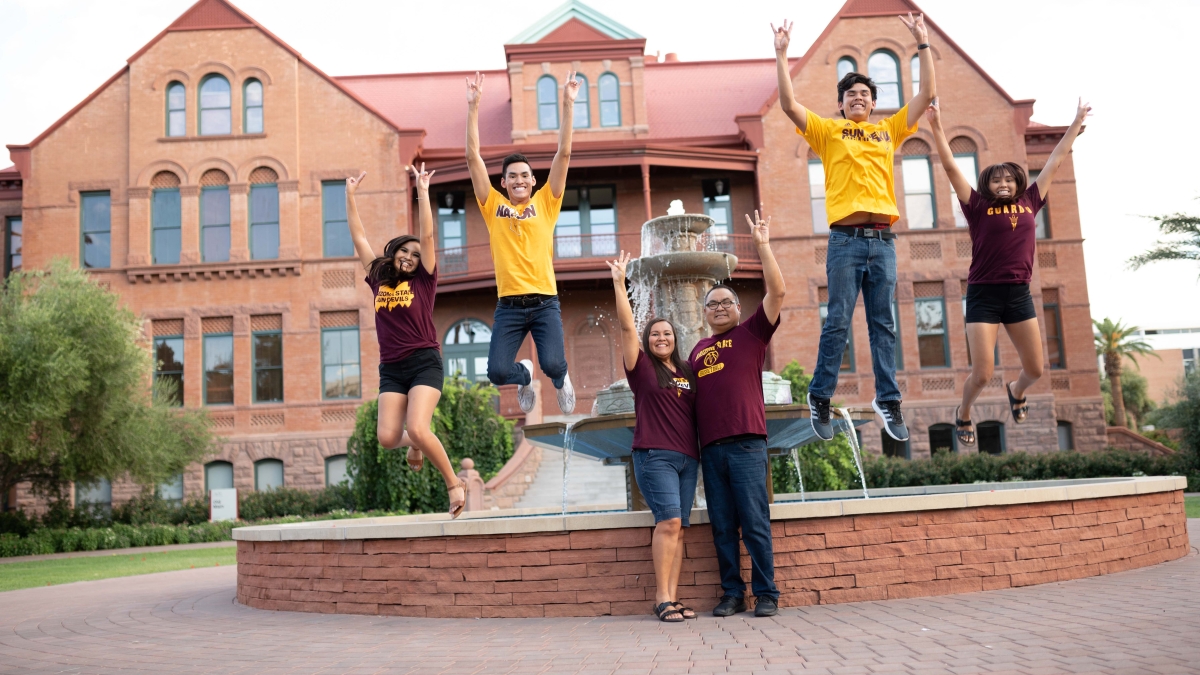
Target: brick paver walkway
[1141,621]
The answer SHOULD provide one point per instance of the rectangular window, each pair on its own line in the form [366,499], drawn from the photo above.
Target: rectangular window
[896,327]
[12,250]
[587,223]
[1054,341]
[452,232]
[268,366]
[166,220]
[264,221]
[96,225]
[718,207]
[333,216]
[1066,439]
[918,193]
[967,165]
[932,344]
[816,188]
[342,377]
[168,364]
[218,369]
[1042,219]
[214,223]
[1190,357]
[848,353]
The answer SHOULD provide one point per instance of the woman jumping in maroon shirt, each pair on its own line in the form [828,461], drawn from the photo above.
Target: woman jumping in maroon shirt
[666,458]
[410,359]
[1001,220]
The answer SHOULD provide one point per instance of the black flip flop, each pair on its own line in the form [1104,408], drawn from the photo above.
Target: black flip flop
[1019,407]
[965,436]
[665,610]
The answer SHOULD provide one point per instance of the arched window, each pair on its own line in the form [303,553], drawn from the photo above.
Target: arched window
[884,69]
[252,102]
[215,101]
[1066,436]
[609,89]
[214,216]
[942,439]
[846,65]
[990,437]
[547,97]
[218,476]
[264,214]
[918,185]
[893,447]
[466,350]
[966,159]
[915,67]
[583,116]
[335,471]
[176,109]
[268,474]
[166,218]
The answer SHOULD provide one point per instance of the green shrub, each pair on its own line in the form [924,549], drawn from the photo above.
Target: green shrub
[293,502]
[826,465]
[468,426]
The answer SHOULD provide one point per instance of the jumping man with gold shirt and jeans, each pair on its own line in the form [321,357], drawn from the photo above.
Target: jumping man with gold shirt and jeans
[860,203]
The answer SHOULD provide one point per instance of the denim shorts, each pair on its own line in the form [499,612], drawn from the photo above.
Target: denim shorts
[667,479]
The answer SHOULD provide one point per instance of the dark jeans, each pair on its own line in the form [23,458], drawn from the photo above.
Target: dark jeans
[735,484]
[853,264]
[512,324]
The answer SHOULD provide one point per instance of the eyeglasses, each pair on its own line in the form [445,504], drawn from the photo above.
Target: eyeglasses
[714,305]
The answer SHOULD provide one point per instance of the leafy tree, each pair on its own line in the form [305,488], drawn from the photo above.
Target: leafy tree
[1184,246]
[1185,415]
[1135,397]
[75,396]
[1116,342]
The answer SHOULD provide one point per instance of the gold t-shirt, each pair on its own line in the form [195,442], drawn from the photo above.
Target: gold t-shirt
[858,162]
[522,242]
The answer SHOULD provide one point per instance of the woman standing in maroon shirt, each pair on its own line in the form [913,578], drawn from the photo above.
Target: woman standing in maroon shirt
[410,370]
[665,455]
[1001,220]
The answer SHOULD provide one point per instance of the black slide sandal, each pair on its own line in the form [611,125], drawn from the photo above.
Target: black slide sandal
[965,436]
[667,609]
[1019,407]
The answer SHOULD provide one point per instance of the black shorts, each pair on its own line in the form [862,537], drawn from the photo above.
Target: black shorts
[999,303]
[422,367]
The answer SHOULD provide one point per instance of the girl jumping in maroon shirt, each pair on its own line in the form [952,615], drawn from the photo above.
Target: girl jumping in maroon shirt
[665,454]
[1000,217]
[404,283]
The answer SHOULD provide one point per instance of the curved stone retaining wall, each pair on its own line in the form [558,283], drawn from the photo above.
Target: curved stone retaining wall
[819,560]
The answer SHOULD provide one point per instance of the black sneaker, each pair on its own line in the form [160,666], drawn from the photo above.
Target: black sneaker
[818,412]
[766,606]
[893,420]
[729,606]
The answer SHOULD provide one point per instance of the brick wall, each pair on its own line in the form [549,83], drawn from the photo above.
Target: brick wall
[817,561]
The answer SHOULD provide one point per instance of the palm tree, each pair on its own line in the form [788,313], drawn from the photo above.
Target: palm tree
[1186,247]
[1115,342]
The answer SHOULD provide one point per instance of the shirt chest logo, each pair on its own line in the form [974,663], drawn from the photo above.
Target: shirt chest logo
[711,358]
[855,134]
[390,297]
[506,211]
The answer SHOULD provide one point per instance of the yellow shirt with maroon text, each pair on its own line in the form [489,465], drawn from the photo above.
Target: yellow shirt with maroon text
[522,242]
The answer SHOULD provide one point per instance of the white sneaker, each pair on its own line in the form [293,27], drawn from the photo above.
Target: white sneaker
[566,396]
[526,396]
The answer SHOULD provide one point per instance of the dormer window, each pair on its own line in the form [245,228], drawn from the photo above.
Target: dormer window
[610,100]
[547,98]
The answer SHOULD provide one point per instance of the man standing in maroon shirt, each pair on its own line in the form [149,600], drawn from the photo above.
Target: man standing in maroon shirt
[731,424]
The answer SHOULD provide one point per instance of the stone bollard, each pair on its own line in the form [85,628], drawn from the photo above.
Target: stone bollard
[470,477]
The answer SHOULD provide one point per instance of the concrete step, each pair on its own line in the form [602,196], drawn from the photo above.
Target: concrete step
[589,482]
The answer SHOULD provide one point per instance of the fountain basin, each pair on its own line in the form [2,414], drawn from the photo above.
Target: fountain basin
[683,264]
[509,564]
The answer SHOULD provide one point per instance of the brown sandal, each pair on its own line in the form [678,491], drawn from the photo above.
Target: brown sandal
[456,507]
[415,465]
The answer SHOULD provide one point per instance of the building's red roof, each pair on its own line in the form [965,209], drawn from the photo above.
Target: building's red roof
[702,98]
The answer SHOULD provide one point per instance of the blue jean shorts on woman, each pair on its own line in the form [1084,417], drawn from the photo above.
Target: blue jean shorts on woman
[667,479]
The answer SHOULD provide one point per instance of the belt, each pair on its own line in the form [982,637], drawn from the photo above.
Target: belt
[863,231]
[530,300]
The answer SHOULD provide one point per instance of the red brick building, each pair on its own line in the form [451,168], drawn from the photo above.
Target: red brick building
[203,182]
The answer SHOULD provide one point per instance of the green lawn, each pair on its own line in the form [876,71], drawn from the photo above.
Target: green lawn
[1191,505]
[66,570]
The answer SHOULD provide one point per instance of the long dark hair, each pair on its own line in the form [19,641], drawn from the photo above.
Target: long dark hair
[383,270]
[985,179]
[665,377]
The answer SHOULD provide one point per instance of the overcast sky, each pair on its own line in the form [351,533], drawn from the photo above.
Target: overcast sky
[1139,156]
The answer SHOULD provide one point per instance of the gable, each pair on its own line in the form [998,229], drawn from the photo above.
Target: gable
[209,14]
[574,30]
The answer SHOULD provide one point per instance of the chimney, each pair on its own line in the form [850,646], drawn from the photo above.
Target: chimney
[671,57]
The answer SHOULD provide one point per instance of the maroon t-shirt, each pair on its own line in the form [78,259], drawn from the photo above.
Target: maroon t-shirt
[404,315]
[1003,238]
[728,367]
[666,416]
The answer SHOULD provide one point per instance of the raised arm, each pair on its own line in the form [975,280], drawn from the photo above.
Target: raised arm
[366,255]
[772,302]
[960,183]
[480,183]
[1061,150]
[428,234]
[629,336]
[928,91]
[566,127]
[787,97]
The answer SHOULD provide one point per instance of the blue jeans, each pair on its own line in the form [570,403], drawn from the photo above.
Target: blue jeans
[869,265]
[667,479]
[512,324]
[735,484]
